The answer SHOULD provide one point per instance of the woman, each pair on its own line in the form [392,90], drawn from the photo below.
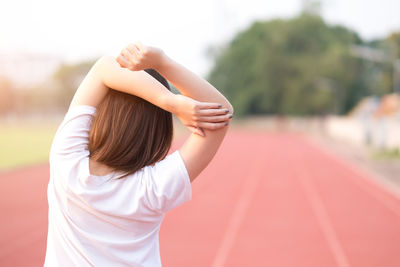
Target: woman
[110,179]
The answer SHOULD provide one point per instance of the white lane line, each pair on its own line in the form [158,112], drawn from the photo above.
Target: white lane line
[249,187]
[323,219]
[365,176]
[361,182]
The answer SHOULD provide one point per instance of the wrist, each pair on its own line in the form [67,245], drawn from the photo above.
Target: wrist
[164,63]
[169,102]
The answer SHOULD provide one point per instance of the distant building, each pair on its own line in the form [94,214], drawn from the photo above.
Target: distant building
[389,106]
[373,121]
[365,108]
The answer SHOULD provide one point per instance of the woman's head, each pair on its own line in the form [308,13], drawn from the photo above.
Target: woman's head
[128,132]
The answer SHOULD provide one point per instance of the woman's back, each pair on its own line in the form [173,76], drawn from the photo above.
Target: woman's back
[101,220]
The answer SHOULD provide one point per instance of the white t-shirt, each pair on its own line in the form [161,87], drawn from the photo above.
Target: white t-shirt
[101,221]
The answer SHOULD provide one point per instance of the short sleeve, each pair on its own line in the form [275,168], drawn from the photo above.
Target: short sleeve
[72,136]
[168,183]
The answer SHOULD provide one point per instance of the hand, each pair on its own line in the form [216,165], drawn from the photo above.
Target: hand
[197,116]
[137,56]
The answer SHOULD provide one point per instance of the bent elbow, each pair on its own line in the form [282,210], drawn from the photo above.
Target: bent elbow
[229,106]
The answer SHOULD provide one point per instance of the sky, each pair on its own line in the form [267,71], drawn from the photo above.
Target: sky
[75,30]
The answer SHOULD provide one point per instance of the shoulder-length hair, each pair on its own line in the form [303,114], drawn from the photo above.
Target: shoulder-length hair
[129,133]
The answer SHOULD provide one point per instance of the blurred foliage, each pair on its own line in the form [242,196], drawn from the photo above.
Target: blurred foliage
[298,66]
[380,74]
[394,41]
[53,95]
[67,78]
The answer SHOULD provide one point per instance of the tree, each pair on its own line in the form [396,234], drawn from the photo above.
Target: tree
[394,42]
[297,66]
[68,77]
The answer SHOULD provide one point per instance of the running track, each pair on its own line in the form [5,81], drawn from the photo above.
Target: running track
[266,200]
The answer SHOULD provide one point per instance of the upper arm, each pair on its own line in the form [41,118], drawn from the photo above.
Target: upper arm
[92,90]
[72,137]
[197,151]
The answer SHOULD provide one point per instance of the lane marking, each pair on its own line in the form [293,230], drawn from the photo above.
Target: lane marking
[322,218]
[238,215]
[365,179]
[379,197]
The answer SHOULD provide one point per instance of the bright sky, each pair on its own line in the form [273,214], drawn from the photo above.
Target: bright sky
[79,29]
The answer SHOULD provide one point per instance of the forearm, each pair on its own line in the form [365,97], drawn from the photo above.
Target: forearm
[191,85]
[137,83]
[197,151]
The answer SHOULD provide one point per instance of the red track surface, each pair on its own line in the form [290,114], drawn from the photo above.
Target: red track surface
[266,200]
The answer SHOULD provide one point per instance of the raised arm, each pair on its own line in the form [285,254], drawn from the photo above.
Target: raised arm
[197,151]
[107,73]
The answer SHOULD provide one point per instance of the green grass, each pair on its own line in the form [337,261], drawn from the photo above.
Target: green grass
[25,143]
[386,154]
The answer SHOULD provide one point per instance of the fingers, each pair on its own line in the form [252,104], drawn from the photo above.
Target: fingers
[211,109]
[212,125]
[139,46]
[129,56]
[123,62]
[213,112]
[205,105]
[220,118]
[133,49]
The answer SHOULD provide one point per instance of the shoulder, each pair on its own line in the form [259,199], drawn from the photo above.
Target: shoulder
[173,161]
[168,171]
[78,111]
[73,133]
[167,183]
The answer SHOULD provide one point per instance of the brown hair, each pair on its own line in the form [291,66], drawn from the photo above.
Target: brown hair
[129,133]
